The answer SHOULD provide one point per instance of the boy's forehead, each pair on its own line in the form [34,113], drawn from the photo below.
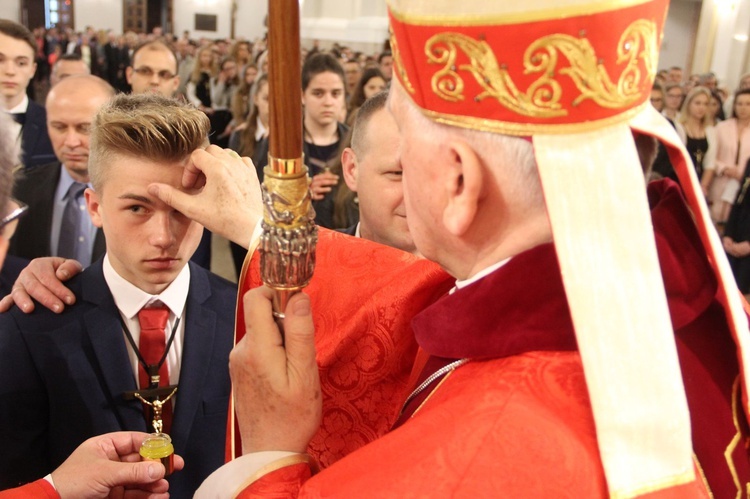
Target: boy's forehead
[124,163]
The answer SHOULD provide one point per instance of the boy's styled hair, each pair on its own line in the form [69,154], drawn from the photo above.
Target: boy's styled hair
[144,126]
[19,32]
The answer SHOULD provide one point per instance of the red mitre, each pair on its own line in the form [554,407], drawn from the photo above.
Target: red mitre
[561,70]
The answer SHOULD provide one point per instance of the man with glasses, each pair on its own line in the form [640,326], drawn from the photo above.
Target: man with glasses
[673,101]
[153,69]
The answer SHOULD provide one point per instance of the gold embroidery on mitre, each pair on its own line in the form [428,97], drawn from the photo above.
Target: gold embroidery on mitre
[399,64]
[542,99]
[496,81]
[638,41]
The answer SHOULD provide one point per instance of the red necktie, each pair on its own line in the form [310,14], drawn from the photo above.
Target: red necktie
[152,343]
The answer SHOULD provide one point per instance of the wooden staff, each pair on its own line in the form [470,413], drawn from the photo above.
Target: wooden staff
[287,246]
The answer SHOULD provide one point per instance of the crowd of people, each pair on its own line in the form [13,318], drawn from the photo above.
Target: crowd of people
[227,80]
[486,306]
[713,126]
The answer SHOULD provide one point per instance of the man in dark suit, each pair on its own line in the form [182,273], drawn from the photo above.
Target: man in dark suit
[17,53]
[50,189]
[67,377]
[116,59]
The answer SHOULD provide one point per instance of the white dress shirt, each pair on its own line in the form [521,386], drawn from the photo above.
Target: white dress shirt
[21,108]
[131,299]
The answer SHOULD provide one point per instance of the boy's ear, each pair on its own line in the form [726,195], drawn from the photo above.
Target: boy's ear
[93,206]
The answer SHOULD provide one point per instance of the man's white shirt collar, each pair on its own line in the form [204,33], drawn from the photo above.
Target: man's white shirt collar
[22,106]
[130,299]
[479,275]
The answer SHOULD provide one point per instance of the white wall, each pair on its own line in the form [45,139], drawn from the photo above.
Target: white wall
[101,14]
[250,17]
[10,9]
[248,24]
[360,24]
[679,35]
[184,17]
[107,14]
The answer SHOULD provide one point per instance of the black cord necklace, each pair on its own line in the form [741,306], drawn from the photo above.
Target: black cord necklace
[151,370]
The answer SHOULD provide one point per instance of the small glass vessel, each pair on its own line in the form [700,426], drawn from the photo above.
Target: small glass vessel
[158,447]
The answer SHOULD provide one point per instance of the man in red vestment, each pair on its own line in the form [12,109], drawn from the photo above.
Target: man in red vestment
[600,365]
[567,369]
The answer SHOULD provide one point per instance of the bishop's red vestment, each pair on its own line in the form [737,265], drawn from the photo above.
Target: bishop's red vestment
[515,420]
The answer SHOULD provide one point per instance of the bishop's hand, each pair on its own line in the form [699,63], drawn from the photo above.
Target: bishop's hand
[276,383]
[220,191]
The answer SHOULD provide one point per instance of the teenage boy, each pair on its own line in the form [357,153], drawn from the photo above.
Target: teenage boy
[67,377]
[17,68]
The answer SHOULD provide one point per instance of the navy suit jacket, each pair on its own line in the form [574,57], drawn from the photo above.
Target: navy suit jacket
[35,144]
[32,237]
[63,378]
[351,230]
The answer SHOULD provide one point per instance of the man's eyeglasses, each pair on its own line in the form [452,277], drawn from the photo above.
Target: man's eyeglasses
[147,72]
[14,215]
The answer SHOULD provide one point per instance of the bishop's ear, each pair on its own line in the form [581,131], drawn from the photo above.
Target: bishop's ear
[463,186]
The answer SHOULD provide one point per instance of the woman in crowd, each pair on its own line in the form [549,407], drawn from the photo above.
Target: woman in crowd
[733,151]
[241,102]
[672,101]
[223,86]
[322,99]
[250,132]
[699,136]
[242,53]
[199,86]
[371,82]
[715,109]
[657,97]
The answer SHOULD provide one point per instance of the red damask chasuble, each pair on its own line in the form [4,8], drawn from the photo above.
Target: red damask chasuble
[362,303]
[516,420]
